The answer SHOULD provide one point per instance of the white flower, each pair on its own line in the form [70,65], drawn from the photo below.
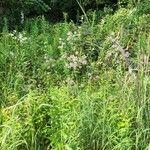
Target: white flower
[47,61]
[15,38]
[14,31]
[84,57]
[76,52]
[73,65]
[84,62]
[10,34]
[61,46]
[70,36]
[75,32]
[74,59]
[70,57]
[69,81]
[69,33]
[127,54]
[45,56]
[20,36]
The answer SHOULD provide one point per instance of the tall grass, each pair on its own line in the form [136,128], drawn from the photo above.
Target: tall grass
[68,87]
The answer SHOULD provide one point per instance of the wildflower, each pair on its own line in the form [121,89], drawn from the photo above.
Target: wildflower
[84,62]
[127,54]
[69,81]
[14,32]
[84,57]
[47,61]
[70,36]
[102,21]
[20,36]
[76,52]
[130,70]
[73,65]
[61,46]
[75,61]
[68,59]
[10,34]
[114,46]
[69,33]
[15,38]
[45,56]
[73,58]
[82,18]
[75,32]
[60,39]
[89,74]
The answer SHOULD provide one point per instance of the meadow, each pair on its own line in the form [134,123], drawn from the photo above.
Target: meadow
[76,87]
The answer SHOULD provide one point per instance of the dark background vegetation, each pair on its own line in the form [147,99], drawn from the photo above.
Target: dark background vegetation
[53,9]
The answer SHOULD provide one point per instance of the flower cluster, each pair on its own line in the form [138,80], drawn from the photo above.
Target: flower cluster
[124,52]
[74,61]
[93,77]
[20,37]
[61,44]
[116,45]
[49,62]
[69,81]
[72,36]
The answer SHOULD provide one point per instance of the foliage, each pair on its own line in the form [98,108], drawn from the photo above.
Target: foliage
[45,7]
[26,5]
[14,9]
[73,87]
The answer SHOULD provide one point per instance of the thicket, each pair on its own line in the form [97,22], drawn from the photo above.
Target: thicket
[54,9]
[69,87]
[76,87]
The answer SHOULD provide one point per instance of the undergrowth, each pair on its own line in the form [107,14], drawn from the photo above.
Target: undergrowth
[69,87]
